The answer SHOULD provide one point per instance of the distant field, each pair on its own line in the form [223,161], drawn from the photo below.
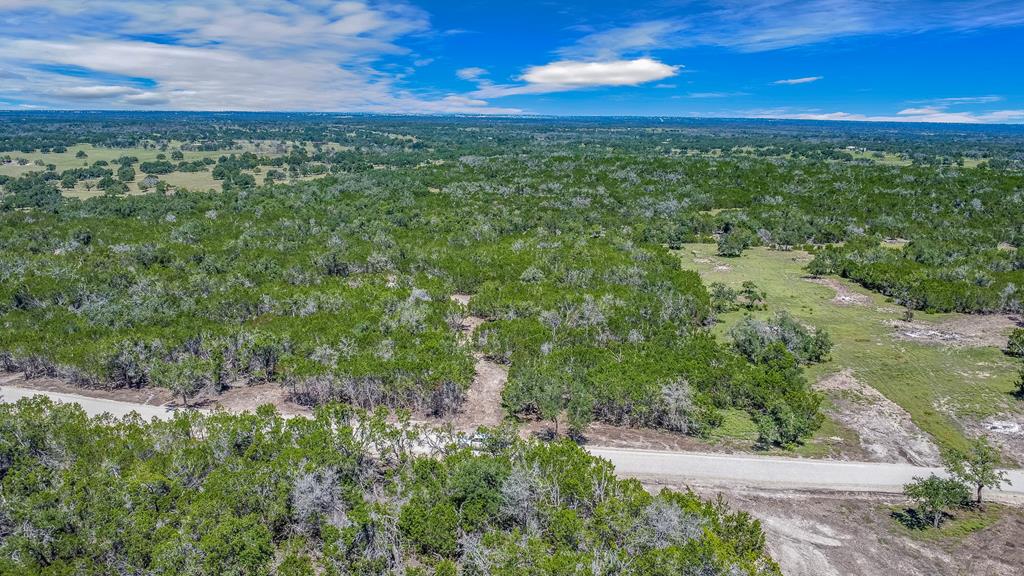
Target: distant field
[937,384]
[199,181]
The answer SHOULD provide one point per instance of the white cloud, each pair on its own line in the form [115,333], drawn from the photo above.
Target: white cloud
[228,55]
[94,92]
[920,111]
[575,74]
[908,115]
[761,25]
[472,73]
[963,100]
[714,94]
[805,80]
[566,75]
[612,43]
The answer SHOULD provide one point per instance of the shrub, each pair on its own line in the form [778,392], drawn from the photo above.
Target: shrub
[1015,344]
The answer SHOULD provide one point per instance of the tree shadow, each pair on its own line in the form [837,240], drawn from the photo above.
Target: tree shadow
[910,518]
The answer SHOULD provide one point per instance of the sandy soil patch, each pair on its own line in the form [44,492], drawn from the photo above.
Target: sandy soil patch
[723,268]
[897,243]
[885,430]
[462,299]
[250,397]
[483,399]
[1004,430]
[962,330]
[845,296]
[610,436]
[853,535]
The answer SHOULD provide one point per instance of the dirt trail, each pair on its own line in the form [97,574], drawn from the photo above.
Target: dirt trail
[483,399]
[845,296]
[886,431]
[961,330]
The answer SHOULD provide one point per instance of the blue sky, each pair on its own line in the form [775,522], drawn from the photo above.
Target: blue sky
[885,60]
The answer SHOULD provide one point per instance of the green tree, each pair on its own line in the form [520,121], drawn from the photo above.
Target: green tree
[977,467]
[184,378]
[1015,344]
[933,495]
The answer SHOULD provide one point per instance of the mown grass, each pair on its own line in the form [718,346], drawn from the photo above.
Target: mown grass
[933,383]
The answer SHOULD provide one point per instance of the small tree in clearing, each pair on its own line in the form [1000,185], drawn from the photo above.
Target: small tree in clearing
[1015,343]
[977,467]
[1020,382]
[933,495]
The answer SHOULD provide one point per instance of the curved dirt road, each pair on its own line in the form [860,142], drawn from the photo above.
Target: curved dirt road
[725,470]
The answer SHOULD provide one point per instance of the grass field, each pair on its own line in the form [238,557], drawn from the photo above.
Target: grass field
[197,181]
[938,385]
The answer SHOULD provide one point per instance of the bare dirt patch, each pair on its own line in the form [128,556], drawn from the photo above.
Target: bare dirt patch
[886,431]
[961,330]
[250,397]
[845,296]
[483,399]
[1004,430]
[849,534]
[461,298]
[610,436]
[854,535]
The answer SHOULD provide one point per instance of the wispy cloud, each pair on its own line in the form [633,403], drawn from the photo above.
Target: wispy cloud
[472,73]
[804,80]
[715,94]
[762,25]
[613,43]
[222,54]
[906,115]
[962,100]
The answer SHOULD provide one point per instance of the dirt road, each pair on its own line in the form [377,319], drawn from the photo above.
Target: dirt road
[754,472]
[775,473]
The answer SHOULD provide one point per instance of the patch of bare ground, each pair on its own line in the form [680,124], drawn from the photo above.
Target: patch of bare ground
[1004,430]
[250,397]
[610,436]
[845,296]
[960,331]
[812,534]
[483,399]
[885,430]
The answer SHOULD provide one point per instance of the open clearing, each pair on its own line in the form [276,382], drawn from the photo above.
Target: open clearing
[948,390]
[886,431]
[196,181]
[856,535]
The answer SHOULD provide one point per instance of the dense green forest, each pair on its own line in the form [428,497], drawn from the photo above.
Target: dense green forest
[257,494]
[339,287]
